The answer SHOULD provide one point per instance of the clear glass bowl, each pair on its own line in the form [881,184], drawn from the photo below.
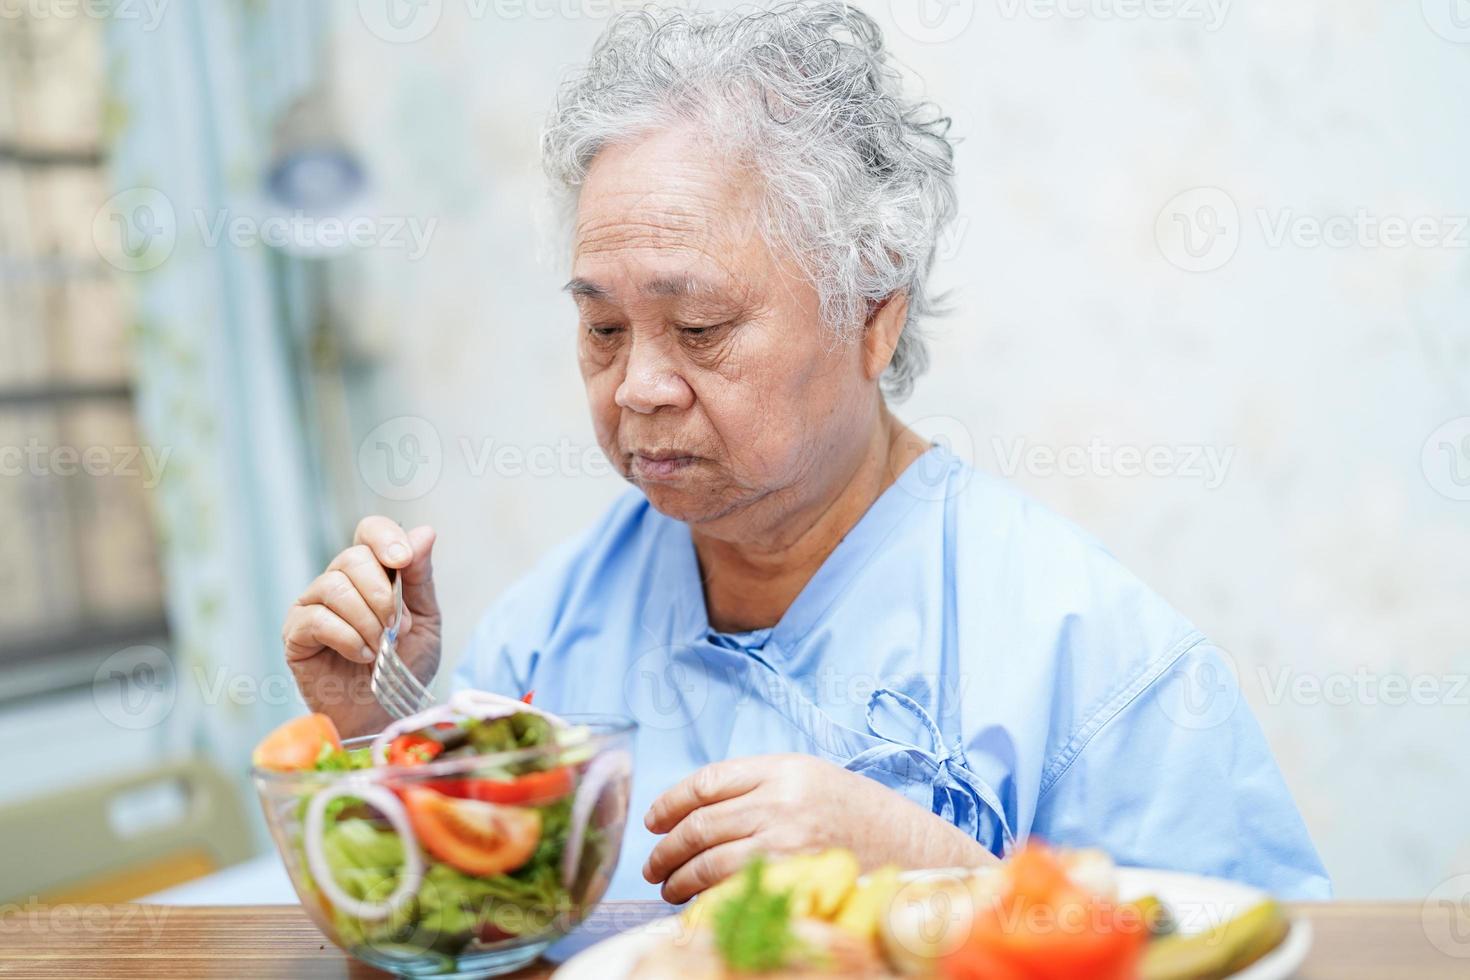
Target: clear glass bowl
[395,902]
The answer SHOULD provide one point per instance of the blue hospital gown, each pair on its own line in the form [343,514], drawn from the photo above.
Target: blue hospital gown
[961,645]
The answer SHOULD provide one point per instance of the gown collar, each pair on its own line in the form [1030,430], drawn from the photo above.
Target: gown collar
[922,481]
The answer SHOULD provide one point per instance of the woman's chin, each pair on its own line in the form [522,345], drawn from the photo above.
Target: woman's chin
[691,502]
[673,500]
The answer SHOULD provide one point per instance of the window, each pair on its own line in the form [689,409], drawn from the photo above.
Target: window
[79,570]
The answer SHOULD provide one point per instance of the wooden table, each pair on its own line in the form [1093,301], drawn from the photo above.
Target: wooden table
[1354,941]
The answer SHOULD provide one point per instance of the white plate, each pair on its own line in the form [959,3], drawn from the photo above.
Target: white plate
[1195,901]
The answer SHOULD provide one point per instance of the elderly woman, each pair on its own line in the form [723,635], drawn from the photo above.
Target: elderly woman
[832,632]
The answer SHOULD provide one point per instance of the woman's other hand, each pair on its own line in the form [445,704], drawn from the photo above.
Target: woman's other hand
[718,817]
[332,632]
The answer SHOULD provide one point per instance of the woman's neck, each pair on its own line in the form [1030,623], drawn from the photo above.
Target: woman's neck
[750,584]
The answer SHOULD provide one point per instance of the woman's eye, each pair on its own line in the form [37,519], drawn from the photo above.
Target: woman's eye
[604,333]
[695,333]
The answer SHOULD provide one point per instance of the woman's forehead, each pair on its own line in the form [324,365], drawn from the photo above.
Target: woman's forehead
[683,215]
[648,256]
[676,285]
[666,186]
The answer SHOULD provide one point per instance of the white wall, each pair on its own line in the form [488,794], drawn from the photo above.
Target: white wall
[1325,552]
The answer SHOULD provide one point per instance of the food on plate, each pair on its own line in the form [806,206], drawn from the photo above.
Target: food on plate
[753,928]
[1043,914]
[816,884]
[467,828]
[1041,921]
[1219,952]
[870,898]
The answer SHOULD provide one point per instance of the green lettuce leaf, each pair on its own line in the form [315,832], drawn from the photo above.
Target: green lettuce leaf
[451,907]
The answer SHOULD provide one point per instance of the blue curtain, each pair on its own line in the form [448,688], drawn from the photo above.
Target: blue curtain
[216,325]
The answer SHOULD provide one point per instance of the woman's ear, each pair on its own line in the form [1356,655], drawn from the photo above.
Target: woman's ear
[880,337]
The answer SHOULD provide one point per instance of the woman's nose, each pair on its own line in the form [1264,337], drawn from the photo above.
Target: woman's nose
[651,381]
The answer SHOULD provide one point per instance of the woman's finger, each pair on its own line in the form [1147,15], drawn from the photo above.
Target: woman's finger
[418,575]
[709,784]
[370,579]
[339,593]
[312,628]
[386,539]
[702,829]
[707,869]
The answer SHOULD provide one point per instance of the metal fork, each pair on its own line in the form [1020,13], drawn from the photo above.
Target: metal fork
[394,685]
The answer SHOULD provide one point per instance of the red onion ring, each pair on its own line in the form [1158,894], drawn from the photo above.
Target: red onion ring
[409,878]
[479,705]
[484,705]
[600,772]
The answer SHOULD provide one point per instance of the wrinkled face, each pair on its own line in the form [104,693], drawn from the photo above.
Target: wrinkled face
[713,384]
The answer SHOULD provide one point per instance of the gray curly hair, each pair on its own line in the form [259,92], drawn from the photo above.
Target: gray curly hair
[859,180]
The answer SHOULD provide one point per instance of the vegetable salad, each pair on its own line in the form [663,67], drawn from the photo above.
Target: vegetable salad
[469,825]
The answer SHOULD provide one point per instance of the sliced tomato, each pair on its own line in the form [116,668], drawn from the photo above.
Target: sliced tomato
[533,787]
[413,749]
[1044,927]
[476,837]
[974,961]
[1036,874]
[297,744]
[489,932]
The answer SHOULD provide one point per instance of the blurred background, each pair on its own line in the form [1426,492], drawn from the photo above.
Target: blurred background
[268,266]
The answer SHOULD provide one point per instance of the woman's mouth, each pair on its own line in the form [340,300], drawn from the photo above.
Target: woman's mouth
[658,466]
